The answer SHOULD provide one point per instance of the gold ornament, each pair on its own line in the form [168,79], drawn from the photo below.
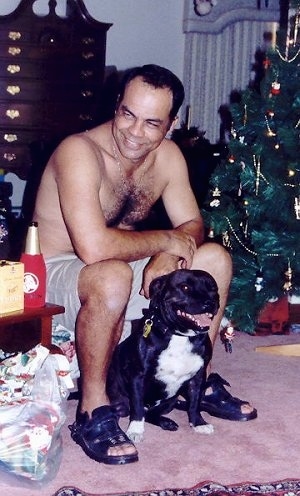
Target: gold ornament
[226,240]
[297,207]
[211,233]
[216,195]
[288,278]
[245,115]
[270,133]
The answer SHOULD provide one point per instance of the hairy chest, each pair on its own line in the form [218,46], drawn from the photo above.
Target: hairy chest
[126,206]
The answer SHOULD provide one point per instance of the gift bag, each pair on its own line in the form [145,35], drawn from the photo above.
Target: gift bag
[33,394]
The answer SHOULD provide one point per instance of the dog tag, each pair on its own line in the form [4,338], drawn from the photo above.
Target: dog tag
[147,327]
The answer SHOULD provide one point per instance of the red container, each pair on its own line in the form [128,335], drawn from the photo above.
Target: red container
[34,270]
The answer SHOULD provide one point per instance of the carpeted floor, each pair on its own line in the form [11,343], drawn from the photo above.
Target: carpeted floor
[280,488]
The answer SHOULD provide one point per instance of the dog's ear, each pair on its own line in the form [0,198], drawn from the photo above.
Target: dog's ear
[156,286]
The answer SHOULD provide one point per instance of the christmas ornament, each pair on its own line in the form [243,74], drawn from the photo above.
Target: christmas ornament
[244,224]
[288,278]
[233,132]
[211,233]
[297,207]
[270,133]
[245,115]
[275,90]
[296,27]
[259,281]
[267,63]
[227,337]
[226,240]
[216,195]
[256,163]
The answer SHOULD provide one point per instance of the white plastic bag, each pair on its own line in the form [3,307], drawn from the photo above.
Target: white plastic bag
[32,411]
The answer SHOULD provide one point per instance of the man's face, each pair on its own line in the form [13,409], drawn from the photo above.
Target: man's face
[142,119]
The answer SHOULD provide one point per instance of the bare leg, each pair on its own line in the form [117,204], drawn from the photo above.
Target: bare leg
[216,260]
[104,289]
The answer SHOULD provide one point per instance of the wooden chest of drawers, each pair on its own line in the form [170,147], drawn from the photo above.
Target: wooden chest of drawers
[51,75]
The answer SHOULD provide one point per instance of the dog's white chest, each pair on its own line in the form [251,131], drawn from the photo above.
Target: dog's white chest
[177,364]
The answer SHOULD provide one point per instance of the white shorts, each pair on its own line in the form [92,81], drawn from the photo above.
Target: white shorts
[62,289]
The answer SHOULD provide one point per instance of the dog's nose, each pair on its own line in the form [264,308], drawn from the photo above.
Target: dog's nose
[210,307]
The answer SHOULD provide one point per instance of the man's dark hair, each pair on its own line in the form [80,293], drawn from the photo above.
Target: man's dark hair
[158,77]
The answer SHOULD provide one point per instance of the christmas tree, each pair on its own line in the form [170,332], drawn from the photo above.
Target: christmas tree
[253,206]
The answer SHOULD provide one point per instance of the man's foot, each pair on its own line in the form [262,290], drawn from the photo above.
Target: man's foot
[101,438]
[218,402]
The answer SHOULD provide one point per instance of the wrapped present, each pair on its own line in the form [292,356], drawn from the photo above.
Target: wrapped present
[11,286]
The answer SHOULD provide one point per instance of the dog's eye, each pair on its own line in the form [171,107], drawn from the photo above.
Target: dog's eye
[184,287]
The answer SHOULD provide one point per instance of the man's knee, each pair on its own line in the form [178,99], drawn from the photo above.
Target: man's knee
[214,256]
[109,281]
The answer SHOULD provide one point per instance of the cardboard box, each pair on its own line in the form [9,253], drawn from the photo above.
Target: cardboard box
[11,286]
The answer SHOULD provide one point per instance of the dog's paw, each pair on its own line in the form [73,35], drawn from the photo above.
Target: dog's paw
[135,430]
[203,429]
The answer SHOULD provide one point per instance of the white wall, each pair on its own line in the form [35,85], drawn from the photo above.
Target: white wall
[143,31]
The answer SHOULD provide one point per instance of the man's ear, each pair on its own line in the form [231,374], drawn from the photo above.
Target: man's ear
[174,123]
[117,103]
[172,126]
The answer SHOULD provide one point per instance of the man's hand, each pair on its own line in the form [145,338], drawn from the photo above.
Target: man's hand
[182,245]
[164,263]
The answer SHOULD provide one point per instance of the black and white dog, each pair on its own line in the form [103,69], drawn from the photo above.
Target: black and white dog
[167,355]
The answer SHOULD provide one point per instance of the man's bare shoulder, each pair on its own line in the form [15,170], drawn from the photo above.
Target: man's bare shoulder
[169,158]
[78,150]
[170,149]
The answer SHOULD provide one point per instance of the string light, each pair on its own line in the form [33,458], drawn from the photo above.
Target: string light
[246,247]
[258,174]
[270,132]
[285,58]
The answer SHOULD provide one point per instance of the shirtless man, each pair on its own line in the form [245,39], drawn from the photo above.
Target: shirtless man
[97,185]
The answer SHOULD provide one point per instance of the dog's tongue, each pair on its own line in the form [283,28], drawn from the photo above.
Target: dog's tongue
[202,320]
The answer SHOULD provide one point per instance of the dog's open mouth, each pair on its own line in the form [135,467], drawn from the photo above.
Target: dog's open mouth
[200,320]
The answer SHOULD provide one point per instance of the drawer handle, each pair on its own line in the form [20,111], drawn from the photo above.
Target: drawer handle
[87,93]
[87,55]
[13,68]
[9,156]
[12,113]
[88,40]
[85,117]
[10,137]
[14,35]
[86,74]
[13,90]
[14,51]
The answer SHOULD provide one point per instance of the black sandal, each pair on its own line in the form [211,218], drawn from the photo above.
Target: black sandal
[97,434]
[220,403]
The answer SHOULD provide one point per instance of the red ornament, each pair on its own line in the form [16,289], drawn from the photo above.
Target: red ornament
[231,159]
[267,63]
[275,88]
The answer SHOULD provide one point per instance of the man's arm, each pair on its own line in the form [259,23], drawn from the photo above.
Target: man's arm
[179,200]
[182,210]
